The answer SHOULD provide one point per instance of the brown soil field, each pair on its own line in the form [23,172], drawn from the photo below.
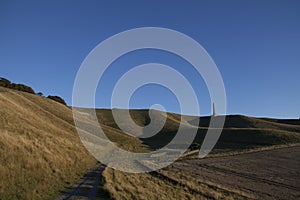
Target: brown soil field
[271,174]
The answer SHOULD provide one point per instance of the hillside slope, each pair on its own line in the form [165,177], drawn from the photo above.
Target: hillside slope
[39,147]
[41,152]
[244,133]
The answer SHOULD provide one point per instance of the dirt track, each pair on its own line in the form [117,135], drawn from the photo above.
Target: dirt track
[272,174]
[88,188]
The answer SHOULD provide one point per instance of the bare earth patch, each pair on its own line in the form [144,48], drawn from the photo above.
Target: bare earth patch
[272,174]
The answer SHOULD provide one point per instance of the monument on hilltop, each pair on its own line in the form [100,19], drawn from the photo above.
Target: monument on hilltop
[214,111]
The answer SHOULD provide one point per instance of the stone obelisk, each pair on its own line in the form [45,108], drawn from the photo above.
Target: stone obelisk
[214,111]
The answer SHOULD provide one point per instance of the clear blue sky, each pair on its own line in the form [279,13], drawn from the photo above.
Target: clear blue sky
[255,44]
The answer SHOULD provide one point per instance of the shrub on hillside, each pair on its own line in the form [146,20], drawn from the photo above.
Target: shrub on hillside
[4,82]
[40,94]
[57,99]
[20,87]
[23,88]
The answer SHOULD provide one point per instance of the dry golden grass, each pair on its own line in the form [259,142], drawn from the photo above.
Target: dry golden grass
[150,186]
[40,150]
[143,186]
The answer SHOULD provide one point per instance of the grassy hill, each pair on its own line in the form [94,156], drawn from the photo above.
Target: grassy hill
[240,132]
[244,133]
[41,152]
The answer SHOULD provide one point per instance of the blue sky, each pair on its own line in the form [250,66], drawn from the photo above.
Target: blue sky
[255,44]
